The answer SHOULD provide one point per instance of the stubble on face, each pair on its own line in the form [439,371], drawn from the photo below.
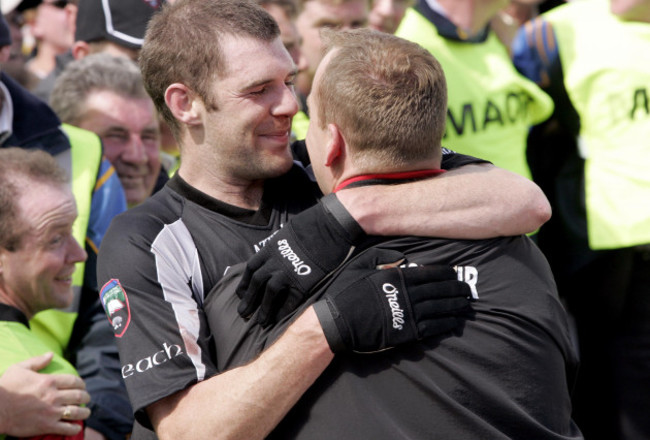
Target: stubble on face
[247,135]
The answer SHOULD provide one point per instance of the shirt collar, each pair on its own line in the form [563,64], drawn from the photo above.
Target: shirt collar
[12,314]
[387,178]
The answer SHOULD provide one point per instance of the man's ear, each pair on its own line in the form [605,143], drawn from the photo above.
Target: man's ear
[184,104]
[80,49]
[336,146]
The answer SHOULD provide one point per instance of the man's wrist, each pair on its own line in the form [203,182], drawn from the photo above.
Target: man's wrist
[333,206]
[307,330]
[330,330]
[362,207]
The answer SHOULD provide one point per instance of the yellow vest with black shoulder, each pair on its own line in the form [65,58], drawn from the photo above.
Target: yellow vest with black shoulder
[491,106]
[606,66]
[83,160]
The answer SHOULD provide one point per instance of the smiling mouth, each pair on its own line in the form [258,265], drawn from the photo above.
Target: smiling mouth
[278,133]
[129,181]
[66,279]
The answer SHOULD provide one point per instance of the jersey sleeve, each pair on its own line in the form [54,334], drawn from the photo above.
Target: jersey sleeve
[149,293]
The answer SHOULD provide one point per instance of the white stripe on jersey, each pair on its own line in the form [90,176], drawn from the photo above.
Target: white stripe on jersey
[177,265]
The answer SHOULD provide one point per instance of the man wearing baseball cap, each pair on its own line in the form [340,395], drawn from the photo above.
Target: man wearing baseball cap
[113,26]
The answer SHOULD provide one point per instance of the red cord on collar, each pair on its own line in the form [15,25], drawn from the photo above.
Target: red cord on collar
[420,174]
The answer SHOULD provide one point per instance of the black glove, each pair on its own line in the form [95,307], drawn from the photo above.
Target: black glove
[367,311]
[311,245]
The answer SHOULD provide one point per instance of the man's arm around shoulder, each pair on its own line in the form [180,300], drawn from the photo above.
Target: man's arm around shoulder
[470,202]
[248,402]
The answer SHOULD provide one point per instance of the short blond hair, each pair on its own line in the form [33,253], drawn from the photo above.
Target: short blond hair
[387,95]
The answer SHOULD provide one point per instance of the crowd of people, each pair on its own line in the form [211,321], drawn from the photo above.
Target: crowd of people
[324,219]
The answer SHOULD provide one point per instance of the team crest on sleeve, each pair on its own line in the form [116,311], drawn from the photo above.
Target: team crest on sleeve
[116,306]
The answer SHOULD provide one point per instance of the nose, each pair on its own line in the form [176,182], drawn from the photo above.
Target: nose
[76,253]
[288,104]
[135,151]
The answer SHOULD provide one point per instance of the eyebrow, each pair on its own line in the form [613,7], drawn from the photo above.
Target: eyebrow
[262,82]
[113,129]
[150,130]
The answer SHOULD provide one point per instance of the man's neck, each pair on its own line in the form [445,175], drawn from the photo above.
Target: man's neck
[470,15]
[236,192]
[351,173]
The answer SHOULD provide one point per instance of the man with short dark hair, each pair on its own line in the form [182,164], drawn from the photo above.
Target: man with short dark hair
[113,26]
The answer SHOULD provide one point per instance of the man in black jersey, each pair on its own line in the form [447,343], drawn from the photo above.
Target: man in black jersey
[224,85]
[505,373]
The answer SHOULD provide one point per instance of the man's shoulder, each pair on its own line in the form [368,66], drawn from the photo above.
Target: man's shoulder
[452,160]
[148,217]
[35,125]
[450,249]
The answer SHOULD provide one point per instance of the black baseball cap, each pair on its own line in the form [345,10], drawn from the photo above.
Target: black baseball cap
[22,5]
[123,22]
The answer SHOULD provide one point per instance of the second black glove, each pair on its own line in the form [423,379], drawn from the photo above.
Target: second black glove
[380,309]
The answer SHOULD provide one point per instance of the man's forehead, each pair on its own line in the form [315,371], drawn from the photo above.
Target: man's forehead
[56,207]
[115,109]
[245,54]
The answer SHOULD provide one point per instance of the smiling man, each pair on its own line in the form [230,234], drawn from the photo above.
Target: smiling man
[104,94]
[38,254]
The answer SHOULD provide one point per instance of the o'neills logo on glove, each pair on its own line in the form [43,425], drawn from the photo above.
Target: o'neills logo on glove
[299,266]
[391,293]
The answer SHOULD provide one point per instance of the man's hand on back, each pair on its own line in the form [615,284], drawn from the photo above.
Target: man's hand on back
[368,310]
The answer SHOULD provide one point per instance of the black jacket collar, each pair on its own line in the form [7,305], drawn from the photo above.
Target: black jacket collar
[35,125]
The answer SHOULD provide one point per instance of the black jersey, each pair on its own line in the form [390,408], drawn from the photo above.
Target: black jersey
[158,261]
[505,375]
[156,264]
